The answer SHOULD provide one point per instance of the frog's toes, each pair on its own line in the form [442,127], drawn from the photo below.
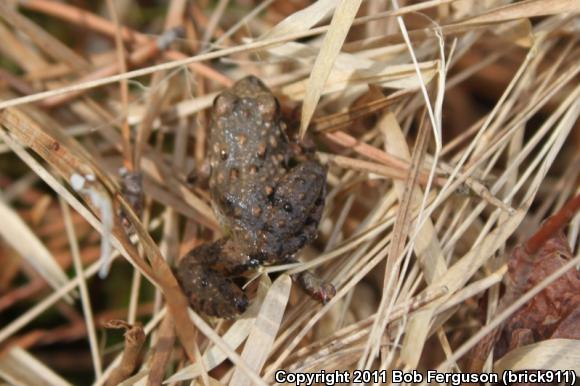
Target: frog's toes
[317,288]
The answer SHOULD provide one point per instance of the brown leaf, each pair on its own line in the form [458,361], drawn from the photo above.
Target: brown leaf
[541,317]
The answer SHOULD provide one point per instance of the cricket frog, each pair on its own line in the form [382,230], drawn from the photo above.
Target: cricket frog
[268,193]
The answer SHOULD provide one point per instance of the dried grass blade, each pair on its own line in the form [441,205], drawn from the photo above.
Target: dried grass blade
[213,22]
[22,239]
[209,332]
[139,379]
[426,246]
[553,147]
[551,354]
[261,339]
[333,41]
[400,76]
[234,337]
[20,368]
[191,61]
[85,298]
[69,158]
[396,254]
[42,39]
[123,88]
[525,9]
[303,19]
[372,168]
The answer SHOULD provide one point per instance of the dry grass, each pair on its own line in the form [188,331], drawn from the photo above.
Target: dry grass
[450,129]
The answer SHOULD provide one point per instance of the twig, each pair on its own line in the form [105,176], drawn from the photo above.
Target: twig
[124,89]
[134,339]
[250,47]
[552,225]
[162,351]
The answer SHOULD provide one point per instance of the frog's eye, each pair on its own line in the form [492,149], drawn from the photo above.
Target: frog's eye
[223,104]
[268,106]
[254,80]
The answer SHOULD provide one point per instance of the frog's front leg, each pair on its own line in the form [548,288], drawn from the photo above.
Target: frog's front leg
[204,274]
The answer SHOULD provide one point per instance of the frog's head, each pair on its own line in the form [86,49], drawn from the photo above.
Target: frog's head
[247,130]
[250,86]
[248,98]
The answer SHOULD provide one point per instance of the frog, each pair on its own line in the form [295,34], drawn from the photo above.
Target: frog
[268,194]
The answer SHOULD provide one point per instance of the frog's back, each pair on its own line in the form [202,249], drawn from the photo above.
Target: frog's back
[249,152]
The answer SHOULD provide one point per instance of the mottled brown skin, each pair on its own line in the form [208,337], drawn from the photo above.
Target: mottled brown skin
[268,194]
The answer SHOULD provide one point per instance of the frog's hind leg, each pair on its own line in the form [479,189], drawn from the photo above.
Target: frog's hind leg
[208,290]
[296,208]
